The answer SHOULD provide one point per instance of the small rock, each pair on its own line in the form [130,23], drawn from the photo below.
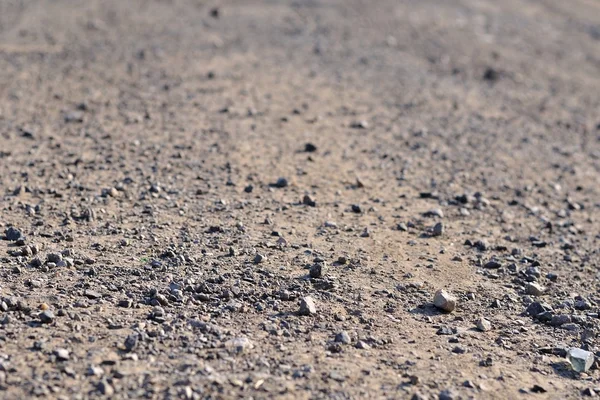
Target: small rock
[317,270]
[447,394]
[131,342]
[47,317]
[492,264]
[491,74]
[310,148]
[12,234]
[356,208]
[280,183]
[92,295]
[488,362]
[538,389]
[125,303]
[560,319]
[436,212]
[536,308]
[307,306]
[54,257]
[61,354]
[162,299]
[258,258]
[309,201]
[534,289]
[580,360]
[36,262]
[334,347]
[239,345]
[552,276]
[483,324]
[94,371]
[444,301]
[438,229]
[559,351]
[359,124]
[588,392]
[343,337]
[105,389]
[73,116]
[482,245]
[446,331]
[362,345]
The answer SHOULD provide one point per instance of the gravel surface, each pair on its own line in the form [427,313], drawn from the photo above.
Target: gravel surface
[299,199]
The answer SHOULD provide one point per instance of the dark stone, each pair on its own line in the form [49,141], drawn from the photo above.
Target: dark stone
[13,234]
[491,75]
[310,148]
[536,308]
[538,389]
[492,264]
[280,183]
[446,330]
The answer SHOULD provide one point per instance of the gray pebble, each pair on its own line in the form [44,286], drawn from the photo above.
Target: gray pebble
[483,324]
[435,212]
[534,289]
[47,317]
[53,257]
[281,183]
[105,388]
[362,345]
[126,303]
[239,345]
[13,234]
[90,294]
[317,270]
[307,306]
[131,342]
[343,337]
[438,229]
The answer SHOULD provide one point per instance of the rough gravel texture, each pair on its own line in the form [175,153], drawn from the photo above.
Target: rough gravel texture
[177,177]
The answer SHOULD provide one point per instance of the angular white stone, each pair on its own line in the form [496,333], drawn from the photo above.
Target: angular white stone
[444,301]
[580,360]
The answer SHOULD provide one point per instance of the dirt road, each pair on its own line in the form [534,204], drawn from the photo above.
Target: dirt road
[259,199]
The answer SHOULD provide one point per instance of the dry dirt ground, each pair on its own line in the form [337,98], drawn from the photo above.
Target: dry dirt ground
[177,175]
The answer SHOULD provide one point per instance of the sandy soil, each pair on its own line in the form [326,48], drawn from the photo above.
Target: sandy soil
[178,176]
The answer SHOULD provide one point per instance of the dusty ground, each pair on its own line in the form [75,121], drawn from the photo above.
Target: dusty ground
[141,144]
